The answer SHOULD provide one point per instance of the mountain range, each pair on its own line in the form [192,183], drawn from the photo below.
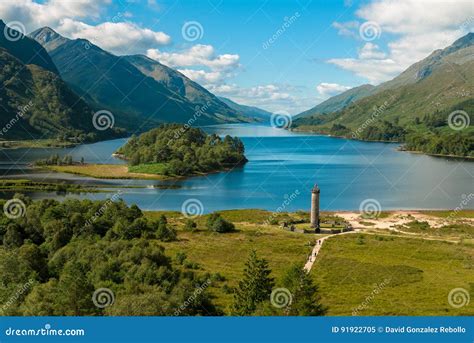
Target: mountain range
[415,104]
[34,101]
[65,81]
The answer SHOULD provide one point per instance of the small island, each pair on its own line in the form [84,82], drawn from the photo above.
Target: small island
[167,152]
[172,150]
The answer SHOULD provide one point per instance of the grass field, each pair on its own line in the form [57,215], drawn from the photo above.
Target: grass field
[392,275]
[149,168]
[226,253]
[411,276]
[105,171]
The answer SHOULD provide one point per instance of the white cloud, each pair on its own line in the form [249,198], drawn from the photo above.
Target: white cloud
[202,76]
[271,97]
[347,28]
[371,51]
[327,90]
[200,63]
[118,36]
[197,55]
[415,28]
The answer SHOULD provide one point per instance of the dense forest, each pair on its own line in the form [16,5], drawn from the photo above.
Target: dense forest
[55,256]
[184,151]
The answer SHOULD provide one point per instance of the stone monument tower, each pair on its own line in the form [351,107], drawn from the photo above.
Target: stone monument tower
[315,207]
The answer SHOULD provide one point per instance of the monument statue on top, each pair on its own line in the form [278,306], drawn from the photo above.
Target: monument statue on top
[315,207]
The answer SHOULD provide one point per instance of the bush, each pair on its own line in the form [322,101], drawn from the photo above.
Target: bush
[216,223]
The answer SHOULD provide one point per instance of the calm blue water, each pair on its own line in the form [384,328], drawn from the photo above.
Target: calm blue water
[282,166]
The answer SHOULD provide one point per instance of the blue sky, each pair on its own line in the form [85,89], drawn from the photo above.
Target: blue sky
[284,56]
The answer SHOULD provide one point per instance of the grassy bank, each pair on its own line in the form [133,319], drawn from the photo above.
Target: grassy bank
[106,171]
[36,143]
[19,185]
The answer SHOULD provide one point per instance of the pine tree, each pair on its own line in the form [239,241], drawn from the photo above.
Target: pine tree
[255,286]
[305,297]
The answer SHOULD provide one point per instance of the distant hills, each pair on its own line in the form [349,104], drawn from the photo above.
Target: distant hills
[338,102]
[249,111]
[415,104]
[34,101]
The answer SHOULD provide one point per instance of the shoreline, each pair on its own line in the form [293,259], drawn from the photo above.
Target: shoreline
[400,148]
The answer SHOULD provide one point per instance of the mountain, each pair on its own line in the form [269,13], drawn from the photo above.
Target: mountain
[339,101]
[414,107]
[26,50]
[459,52]
[185,87]
[248,111]
[138,101]
[34,101]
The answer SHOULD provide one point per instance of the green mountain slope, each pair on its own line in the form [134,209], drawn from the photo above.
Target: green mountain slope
[36,103]
[182,85]
[249,111]
[25,49]
[339,101]
[418,101]
[137,100]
